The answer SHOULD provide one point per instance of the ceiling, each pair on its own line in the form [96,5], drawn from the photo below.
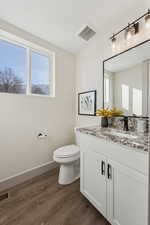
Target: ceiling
[60,21]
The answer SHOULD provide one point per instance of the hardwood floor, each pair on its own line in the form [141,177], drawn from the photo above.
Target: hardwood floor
[42,201]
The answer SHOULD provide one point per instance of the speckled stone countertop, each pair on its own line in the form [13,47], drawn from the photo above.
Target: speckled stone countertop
[127,138]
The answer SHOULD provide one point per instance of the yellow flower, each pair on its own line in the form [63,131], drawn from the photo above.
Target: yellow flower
[116,112]
[108,112]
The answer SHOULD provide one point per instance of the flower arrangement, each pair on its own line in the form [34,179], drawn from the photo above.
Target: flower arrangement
[108,112]
[105,113]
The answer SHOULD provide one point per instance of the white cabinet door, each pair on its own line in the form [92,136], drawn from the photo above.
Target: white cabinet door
[127,202]
[93,179]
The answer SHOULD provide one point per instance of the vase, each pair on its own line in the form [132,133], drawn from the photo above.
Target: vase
[104,122]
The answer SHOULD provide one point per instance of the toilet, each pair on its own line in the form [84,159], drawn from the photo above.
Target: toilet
[68,158]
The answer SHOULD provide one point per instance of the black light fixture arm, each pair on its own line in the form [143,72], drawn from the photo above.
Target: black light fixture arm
[130,24]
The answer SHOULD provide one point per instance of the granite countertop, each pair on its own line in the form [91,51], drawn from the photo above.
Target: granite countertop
[127,138]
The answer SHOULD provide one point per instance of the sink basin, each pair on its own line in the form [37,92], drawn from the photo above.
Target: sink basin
[121,135]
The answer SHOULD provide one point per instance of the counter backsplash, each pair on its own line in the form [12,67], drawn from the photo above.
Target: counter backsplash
[140,125]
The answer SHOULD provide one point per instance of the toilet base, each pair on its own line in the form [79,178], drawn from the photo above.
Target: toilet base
[68,174]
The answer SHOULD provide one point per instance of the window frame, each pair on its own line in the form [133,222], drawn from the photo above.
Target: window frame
[32,47]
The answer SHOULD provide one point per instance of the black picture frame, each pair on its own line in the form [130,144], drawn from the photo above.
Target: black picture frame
[94,92]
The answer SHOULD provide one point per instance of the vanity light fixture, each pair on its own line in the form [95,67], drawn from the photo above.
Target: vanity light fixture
[147,19]
[131,29]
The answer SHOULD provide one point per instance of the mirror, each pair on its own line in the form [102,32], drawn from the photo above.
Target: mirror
[126,81]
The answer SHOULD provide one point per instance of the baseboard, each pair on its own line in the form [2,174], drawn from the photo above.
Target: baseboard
[26,175]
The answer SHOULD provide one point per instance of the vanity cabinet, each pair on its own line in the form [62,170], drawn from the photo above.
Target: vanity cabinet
[113,180]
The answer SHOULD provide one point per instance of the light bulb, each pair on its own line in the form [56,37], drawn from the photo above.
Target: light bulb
[130,31]
[147,20]
[128,35]
[113,42]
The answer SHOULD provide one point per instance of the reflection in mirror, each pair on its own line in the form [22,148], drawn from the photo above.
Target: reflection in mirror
[126,81]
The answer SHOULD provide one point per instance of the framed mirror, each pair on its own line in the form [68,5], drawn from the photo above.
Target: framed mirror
[126,81]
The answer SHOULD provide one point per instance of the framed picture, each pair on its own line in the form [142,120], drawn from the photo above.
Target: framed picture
[87,103]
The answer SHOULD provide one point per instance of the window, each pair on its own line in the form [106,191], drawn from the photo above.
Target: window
[13,65]
[137,101]
[40,74]
[125,96]
[26,69]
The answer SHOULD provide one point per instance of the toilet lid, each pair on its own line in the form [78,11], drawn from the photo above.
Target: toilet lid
[67,151]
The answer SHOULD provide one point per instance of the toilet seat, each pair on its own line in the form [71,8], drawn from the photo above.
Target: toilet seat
[67,152]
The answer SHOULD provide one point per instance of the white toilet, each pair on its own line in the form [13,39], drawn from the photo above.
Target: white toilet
[68,158]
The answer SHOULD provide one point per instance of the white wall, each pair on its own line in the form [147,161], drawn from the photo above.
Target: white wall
[89,74]
[22,117]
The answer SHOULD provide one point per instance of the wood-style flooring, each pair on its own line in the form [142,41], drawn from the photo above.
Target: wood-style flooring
[42,201]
